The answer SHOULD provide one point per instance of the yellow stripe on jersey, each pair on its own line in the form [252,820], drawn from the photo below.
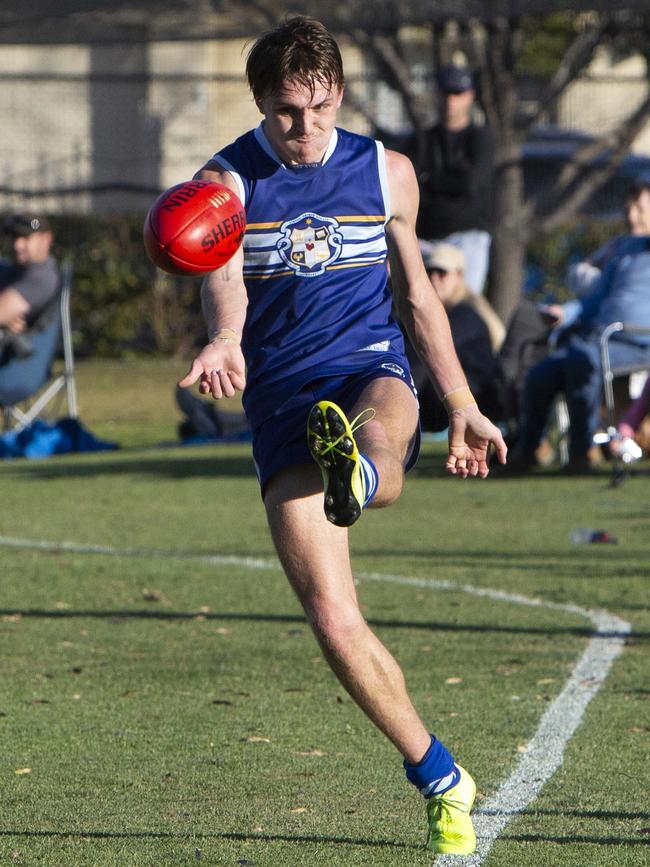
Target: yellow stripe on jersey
[376,218]
[355,264]
[268,276]
[264,225]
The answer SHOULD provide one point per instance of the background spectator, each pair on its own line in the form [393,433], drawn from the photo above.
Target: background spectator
[535,329]
[621,293]
[582,276]
[456,177]
[526,343]
[476,330]
[29,281]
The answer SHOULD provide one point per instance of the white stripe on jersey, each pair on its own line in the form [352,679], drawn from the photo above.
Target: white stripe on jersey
[363,243]
[235,176]
[383,179]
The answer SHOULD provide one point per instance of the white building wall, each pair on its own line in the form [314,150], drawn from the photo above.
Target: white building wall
[45,139]
[609,93]
[146,116]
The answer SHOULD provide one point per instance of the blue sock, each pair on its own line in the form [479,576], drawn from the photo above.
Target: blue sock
[435,772]
[371,477]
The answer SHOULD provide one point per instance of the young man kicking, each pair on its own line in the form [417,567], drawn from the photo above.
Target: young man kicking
[301,316]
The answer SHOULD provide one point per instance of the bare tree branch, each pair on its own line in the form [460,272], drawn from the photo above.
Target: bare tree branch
[397,74]
[498,73]
[618,143]
[270,12]
[360,106]
[575,61]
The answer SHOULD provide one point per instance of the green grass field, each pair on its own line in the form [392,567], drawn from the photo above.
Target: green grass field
[162,701]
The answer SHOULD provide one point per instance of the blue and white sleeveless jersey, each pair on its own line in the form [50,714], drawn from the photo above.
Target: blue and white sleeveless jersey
[314,265]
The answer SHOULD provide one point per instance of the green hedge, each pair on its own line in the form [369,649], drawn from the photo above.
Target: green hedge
[121,303]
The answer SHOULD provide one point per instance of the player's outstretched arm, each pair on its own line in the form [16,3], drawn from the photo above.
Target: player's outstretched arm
[219,367]
[425,319]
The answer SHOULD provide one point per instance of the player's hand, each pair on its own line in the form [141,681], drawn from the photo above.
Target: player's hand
[470,436]
[219,370]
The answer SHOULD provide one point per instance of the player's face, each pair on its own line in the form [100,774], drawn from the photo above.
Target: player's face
[299,124]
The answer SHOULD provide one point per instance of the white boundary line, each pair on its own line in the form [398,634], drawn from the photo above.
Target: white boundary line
[544,752]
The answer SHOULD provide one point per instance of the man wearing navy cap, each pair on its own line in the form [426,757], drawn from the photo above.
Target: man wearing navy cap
[29,281]
[456,177]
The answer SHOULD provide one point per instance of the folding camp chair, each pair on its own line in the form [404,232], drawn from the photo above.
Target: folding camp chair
[28,381]
[610,374]
[619,464]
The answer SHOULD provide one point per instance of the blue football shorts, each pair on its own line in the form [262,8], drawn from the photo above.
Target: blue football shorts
[281,440]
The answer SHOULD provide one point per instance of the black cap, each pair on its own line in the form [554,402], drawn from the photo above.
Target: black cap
[455,79]
[22,225]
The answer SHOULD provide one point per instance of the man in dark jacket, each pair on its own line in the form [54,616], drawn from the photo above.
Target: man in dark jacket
[456,177]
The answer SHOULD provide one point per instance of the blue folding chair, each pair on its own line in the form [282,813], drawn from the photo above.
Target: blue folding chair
[26,384]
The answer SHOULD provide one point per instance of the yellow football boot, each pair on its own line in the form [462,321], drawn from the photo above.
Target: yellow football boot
[450,827]
[330,437]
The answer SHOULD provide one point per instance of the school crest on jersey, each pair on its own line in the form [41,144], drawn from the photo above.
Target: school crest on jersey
[310,243]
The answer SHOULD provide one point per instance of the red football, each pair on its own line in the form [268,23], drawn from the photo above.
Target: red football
[194,227]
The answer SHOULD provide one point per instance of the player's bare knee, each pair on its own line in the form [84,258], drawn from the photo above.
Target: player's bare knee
[336,626]
[391,482]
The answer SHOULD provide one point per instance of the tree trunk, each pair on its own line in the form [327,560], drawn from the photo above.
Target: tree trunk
[510,236]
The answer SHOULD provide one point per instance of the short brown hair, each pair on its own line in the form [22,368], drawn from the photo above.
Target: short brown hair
[300,50]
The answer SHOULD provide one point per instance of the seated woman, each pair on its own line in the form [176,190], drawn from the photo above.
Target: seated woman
[477,332]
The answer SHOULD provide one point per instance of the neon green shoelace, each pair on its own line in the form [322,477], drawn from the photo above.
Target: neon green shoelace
[364,417]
